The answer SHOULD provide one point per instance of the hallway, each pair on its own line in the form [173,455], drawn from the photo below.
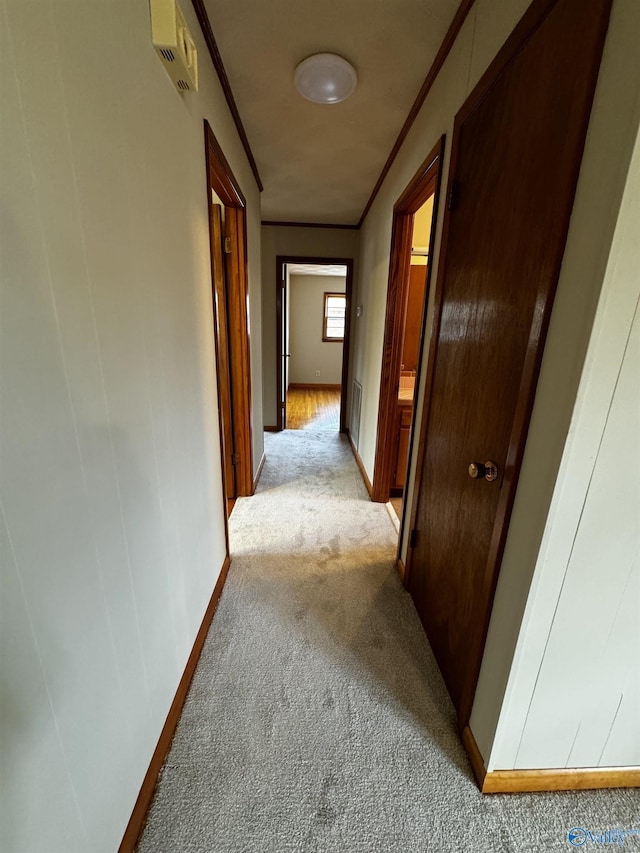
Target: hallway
[317,720]
[150,224]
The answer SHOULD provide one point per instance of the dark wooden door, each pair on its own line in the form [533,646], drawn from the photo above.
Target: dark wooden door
[516,151]
[223,370]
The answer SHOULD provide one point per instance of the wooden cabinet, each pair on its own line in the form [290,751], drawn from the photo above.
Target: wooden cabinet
[413,321]
[402,431]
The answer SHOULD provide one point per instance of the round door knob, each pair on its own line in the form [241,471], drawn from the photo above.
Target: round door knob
[489,471]
[477,470]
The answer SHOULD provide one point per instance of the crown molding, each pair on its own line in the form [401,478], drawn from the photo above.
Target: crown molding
[452,33]
[272,222]
[214,53]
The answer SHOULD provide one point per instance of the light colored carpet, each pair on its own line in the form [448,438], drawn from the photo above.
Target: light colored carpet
[317,720]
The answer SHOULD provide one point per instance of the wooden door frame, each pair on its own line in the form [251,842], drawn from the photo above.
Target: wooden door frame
[532,19]
[222,181]
[280,284]
[424,184]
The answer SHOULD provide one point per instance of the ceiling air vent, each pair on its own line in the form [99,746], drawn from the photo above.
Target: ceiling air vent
[174,44]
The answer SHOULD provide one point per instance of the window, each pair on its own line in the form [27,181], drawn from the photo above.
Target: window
[335,305]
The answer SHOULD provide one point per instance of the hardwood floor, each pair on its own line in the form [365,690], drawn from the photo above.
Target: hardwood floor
[313,408]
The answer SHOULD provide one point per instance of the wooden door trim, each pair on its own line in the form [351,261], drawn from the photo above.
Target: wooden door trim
[280,290]
[425,182]
[220,174]
[527,26]
[221,179]
[306,259]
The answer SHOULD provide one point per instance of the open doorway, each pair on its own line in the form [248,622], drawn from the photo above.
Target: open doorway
[313,318]
[411,339]
[407,298]
[221,342]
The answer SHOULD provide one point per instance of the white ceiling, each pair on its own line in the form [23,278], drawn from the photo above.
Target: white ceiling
[317,269]
[319,163]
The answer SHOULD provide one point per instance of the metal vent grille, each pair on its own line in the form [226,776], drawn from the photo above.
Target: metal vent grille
[169,55]
[182,84]
[356,405]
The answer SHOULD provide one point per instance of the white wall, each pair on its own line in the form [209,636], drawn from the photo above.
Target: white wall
[608,149]
[303,242]
[309,353]
[422,232]
[111,510]
[579,649]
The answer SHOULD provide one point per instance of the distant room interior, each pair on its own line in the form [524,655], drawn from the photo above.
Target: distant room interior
[314,324]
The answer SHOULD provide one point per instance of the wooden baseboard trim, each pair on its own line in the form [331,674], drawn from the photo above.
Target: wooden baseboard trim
[270,428]
[139,813]
[474,755]
[314,386]
[256,479]
[400,566]
[560,779]
[555,779]
[356,455]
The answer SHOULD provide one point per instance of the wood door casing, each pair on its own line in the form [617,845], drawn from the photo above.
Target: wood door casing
[424,184]
[221,180]
[282,347]
[516,151]
[281,391]
[221,339]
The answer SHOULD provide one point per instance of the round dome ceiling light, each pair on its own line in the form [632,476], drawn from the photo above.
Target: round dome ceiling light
[325,78]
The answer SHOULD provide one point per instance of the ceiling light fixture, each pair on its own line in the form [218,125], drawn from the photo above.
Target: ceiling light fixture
[325,78]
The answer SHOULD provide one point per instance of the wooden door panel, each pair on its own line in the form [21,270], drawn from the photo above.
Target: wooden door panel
[239,349]
[515,160]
